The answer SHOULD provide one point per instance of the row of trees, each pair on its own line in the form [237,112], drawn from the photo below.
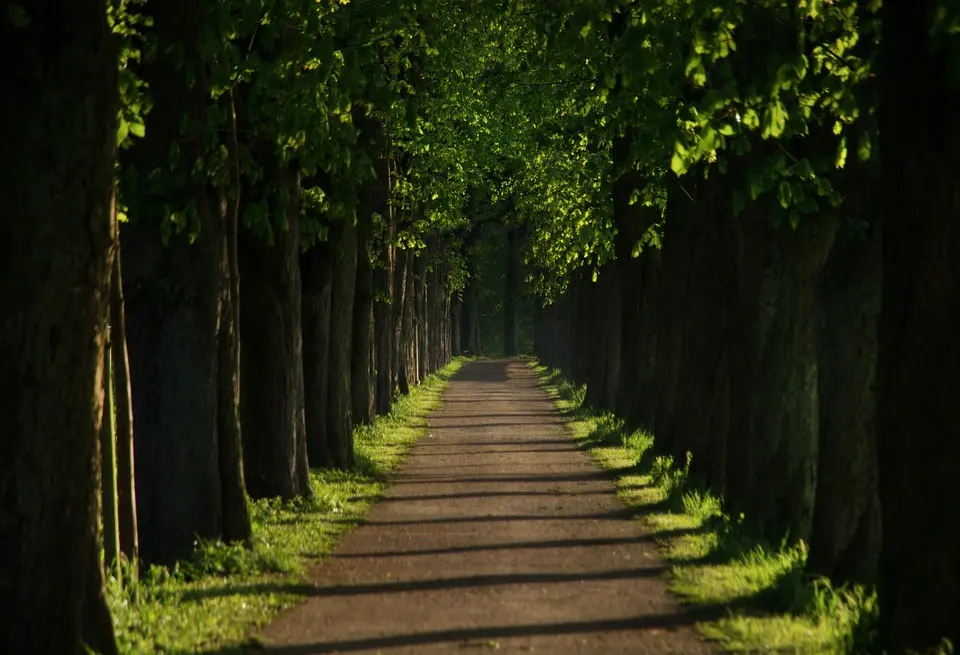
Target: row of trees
[775,268]
[288,270]
[696,188]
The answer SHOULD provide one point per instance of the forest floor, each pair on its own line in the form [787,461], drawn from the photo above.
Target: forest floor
[497,532]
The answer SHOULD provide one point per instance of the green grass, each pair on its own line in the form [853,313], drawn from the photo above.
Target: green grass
[764,599]
[223,593]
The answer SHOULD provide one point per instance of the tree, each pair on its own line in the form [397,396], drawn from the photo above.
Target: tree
[57,188]
[176,280]
[918,366]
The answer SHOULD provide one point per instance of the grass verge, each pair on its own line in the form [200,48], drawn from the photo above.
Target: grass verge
[766,601]
[215,600]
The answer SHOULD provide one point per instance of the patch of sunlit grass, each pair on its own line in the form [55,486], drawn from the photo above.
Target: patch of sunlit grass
[226,591]
[772,605]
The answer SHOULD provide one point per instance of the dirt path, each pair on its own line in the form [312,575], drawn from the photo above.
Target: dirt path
[497,534]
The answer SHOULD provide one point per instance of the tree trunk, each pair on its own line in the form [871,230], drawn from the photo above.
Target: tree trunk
[384,318]
[422,317]
[402,320]
[565,332]
[512,293]
[601,307]
[174,298]
[918,365]
[470,325]
[343,246]
[845,544]
[640,411]
[235,511]
[108,468]
[584,326]
[455,320]
[126,487]
[697,419]
[637,278]
[362,378]
[774,410]
[671,304]
[317,286]
[271,409]
[56,189]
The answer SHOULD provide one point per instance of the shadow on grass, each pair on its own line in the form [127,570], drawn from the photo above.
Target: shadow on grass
[758,579]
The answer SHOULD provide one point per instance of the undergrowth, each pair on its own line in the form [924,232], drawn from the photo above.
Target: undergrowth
[766,600]
[223,592]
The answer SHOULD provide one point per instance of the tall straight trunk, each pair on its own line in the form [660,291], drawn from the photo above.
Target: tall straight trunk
[601,348]
[640,409]
[671,304]
[454,320]
[271,408]
[384,319]
[362,379]
[565,331]
[235,511]
[317,286]
[470,315]
[512,292]
[446,313]
[126,487]
[108,468]
[697,421]
[343,248]
[636,278]
[435,300]
[412,321]
[774,408]
[56,189]
[422,317]
[845,544]
[175,298]
[918,366]
[584,329]
[544,328]
[173,346]
[402,327]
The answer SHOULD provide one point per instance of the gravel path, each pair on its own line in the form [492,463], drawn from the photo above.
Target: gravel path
[497,534]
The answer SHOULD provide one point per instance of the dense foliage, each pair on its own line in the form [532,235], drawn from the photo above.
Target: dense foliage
[324,201]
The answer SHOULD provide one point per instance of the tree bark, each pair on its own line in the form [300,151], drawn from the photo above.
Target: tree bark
[343,246]
[56,188]
[601,345]
[637,279]
[422,317]
[671,304]
[774,409]
[697,419]
[845,544]
[384,319]
[126,487]
[454,321]
[271,410]
[174,298]
[317,286]
[918,366]
[512,293]
[403,321]
[108,468]
[362,378]
[470,325]
[235,511]
[639,394]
